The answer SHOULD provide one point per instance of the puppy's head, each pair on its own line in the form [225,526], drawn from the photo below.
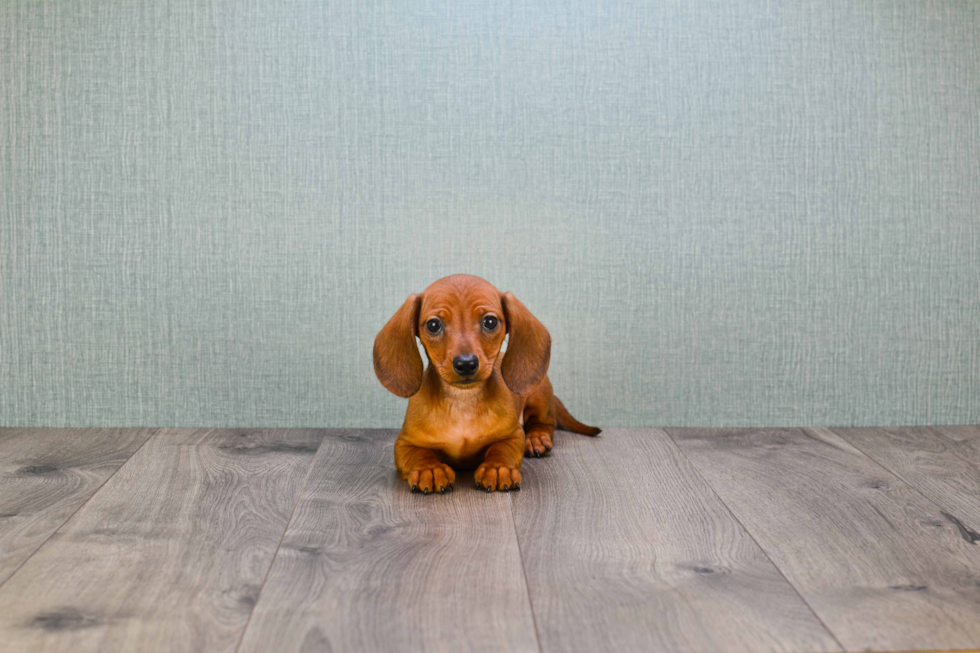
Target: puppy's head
[461,321]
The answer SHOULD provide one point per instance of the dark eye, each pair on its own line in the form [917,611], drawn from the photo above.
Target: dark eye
[434,325]
[489,322]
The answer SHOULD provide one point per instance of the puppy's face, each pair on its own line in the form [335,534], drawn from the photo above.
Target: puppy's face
[462,327]
[461,321]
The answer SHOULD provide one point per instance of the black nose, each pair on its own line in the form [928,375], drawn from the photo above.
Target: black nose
[466,364]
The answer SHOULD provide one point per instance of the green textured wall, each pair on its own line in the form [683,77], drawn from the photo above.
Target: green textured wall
[727,213]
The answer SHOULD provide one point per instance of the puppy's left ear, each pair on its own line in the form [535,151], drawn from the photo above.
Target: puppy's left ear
[529,349]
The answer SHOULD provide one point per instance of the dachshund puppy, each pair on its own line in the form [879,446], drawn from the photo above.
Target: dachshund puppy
[471,407]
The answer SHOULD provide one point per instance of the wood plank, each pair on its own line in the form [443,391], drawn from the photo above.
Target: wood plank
[171,552]
[368,566]
[878,562]
[959,433]
[46,475]
[965,441]
[626,548]
[931,464]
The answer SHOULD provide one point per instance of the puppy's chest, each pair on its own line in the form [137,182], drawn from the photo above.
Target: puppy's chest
[463,430]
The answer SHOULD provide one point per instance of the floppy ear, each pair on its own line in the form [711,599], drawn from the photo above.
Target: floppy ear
[396,356]
[529,349]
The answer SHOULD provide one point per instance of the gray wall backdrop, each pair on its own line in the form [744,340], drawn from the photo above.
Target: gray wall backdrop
[728,213]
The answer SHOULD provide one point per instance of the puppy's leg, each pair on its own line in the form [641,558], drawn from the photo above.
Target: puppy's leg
[540,421]
[423,471]
[500,469]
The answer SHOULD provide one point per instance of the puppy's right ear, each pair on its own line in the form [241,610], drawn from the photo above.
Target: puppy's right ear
[396,356]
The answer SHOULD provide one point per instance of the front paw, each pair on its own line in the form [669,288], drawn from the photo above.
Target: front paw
[492,477]
[432,477]
[537,445]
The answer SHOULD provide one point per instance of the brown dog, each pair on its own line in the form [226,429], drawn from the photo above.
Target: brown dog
[470,407]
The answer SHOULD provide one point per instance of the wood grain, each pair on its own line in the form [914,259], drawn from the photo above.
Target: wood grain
[879,563]
[170,554]
[965,441]
[46,475]
[930,463]
[959,433]
[626,548]
[367,566]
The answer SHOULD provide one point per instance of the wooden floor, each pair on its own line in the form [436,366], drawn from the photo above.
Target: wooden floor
[638,540]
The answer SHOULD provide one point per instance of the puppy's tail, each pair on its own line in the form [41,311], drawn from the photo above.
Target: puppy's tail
[568,423]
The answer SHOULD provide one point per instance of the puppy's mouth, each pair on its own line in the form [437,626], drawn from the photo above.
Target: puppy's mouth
[452,378]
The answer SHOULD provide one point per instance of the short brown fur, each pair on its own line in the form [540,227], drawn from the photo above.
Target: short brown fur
[489,420]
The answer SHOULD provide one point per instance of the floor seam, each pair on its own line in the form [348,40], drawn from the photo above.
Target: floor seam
[897,475]
[527,586]
[153,434]
[289,522]
[749,533]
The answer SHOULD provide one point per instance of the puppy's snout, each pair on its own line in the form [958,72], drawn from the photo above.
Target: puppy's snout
[466,364]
